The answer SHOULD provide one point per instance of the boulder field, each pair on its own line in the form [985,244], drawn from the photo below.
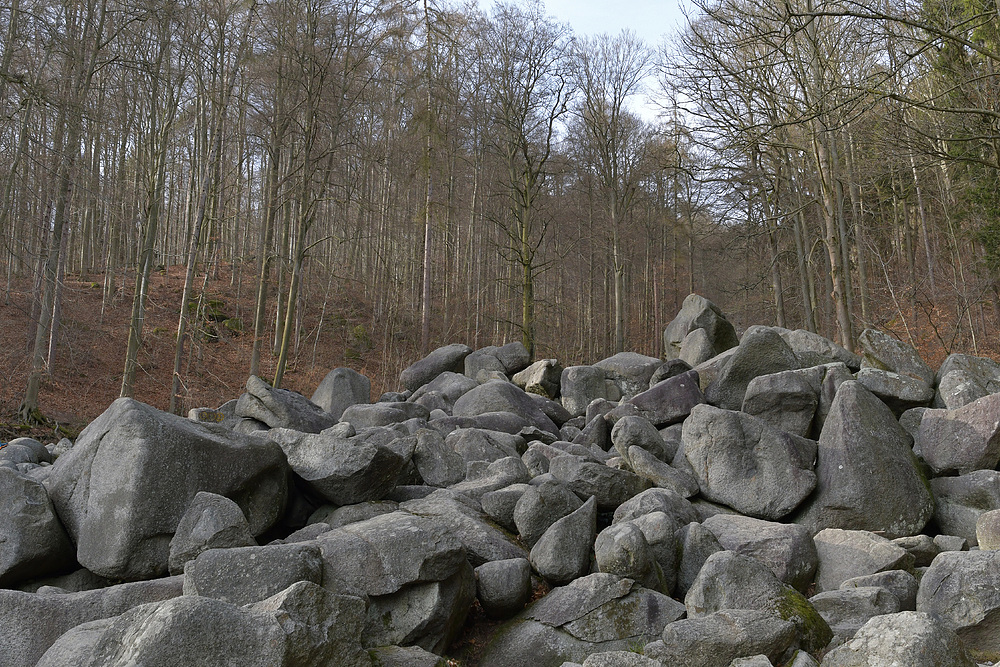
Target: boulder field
[763,499]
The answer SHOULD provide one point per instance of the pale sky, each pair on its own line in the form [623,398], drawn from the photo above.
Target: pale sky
[649,19]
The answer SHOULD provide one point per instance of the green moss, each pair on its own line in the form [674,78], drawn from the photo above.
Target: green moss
[814,632]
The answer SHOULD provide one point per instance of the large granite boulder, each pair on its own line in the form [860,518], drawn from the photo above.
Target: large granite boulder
[867,476]
[414,570]
[500,396]
[960,501]
[593,614]
[243,575]
[846,554]
[483,540]
[447,387]
[847,609]
[718,639]
[907,638]
[761,352]
[630,371]
[786,401]
[742,462]
[281,408]
[787,549]
[962,589]
[881,351]
[302,625]
[815,350]
[963,378]
[541,506]
[728,580]
[579,385]
[122,490]
[541,377]
[342,470]
[341,388]
[610,486]
[210,522]
[33,622]
[562,553]
[963,440]
[443,359]
[32,541]
[667,402]
[697,312]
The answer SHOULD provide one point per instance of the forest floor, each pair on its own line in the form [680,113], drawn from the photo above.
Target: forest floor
[93,334]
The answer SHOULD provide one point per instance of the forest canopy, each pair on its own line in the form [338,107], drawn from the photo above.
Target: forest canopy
[484,175]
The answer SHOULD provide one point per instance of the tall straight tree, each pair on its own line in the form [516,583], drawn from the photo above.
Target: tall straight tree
[609,71]
[528,70]
[84,27]
[162,70]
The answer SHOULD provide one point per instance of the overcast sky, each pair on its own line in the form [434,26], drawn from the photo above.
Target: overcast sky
[650,19]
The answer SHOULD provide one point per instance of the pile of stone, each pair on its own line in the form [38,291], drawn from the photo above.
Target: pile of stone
[771,499]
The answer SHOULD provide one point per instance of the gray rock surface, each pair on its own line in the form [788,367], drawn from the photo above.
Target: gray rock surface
[637,432]
[341,388]
[899,392]
[611,487]
[210,522]
[962,440]
[962,590]
[579,385]
[883,352]
[383,413]
[742,462]
[761,352]
[728,580]
[499,396]
[541,377]
[697,312]
[438,464]
[562,554]
[499,505]
[667,501]
[867,475]
[281,408]
[668,402]
[33,542]
[900,583]
[483,540]
[244,575]
[847,609]
[659,474]
[32,622]
[405,656]
[717,639]
[594,614]
[447,358]
[815,350]
[786,401]
[122,490]
[541,506]
[787,549]
[622,549]
[907,638]
[988,530]
[503,587]
[630,371]
[959,502]
[75,647]
[845,554]
[697,543]
[345,471]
